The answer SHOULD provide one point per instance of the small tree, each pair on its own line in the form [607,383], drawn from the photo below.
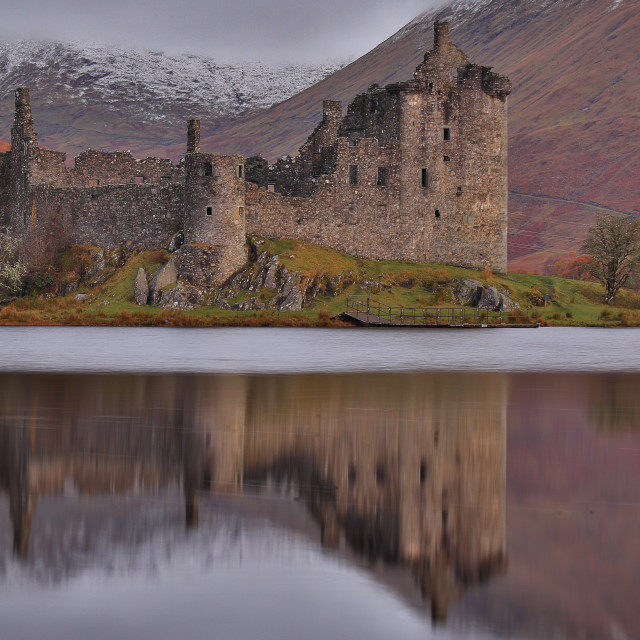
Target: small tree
[12,270]
[613,249]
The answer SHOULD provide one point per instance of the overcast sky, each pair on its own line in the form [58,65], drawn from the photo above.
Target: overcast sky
[271,30]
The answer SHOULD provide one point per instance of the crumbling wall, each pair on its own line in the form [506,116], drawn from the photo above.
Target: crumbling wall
[98,168]
[301,175]
[350,213]
[112,215]
[5,173]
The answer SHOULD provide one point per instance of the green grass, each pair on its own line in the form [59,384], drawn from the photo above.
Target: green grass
[391,283]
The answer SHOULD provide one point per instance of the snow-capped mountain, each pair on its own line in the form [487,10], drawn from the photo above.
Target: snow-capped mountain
[144,81]
[139,87]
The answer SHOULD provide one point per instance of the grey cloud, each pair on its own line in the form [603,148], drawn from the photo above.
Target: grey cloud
[271,30]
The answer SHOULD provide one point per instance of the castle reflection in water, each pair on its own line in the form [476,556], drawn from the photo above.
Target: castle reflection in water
[406,468]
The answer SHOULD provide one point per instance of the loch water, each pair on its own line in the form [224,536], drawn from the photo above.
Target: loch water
[287,483]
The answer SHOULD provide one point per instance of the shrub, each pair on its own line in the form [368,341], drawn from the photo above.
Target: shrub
[12,269]
[625,320]
[324,318]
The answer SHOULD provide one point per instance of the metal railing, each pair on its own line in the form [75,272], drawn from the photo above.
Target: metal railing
[376,312]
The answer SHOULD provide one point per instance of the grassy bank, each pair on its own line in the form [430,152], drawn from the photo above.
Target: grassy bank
[555,301]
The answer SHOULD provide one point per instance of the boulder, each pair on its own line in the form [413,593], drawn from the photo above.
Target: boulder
[291,297]
[183,297]
[176,242]
[490,299]
[270,272]
[141,287]
[467,292]
[165,276]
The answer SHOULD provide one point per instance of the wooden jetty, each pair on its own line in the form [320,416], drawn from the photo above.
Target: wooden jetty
[361,310]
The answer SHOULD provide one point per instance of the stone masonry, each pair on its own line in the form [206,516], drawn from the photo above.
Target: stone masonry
[415,171]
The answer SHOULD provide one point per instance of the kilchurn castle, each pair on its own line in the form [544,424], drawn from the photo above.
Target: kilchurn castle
[415,170]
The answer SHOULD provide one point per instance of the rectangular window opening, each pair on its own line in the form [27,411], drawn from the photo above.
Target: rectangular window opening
[425,178]
[208,169]
[447,159]
[209,211]
[447,133]
[437,214]
[382,177]
[430,85]
[240,171]
[353,174]
[241,211]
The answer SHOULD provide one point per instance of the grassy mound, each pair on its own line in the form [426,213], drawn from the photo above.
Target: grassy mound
[555,301]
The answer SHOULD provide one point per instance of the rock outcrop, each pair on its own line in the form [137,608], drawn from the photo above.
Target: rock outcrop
[472,293]
[166,275]
[141,287]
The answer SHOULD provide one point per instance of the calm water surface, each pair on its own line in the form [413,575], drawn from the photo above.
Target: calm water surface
[233,350]
[402,484]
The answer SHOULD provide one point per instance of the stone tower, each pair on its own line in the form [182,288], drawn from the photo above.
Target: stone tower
[415,170]
[24,144]
[453,136]
[214,218]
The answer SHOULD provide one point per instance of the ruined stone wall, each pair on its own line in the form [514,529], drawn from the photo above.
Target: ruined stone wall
[106,198]
[99,168]
[113,215]
[301,175]
[205,265]
[5,173]
[374,114]
[351,213]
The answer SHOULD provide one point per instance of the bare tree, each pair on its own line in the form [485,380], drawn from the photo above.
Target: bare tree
[613,247]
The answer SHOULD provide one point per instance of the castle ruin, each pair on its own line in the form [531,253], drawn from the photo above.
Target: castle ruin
[415,170]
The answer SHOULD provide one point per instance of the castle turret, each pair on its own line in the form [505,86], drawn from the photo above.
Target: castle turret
[440,33]
[23,129]
[214,222]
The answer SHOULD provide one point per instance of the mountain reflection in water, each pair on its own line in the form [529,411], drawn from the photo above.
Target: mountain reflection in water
[407,471]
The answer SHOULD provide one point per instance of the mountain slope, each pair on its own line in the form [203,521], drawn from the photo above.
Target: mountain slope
[100,96]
